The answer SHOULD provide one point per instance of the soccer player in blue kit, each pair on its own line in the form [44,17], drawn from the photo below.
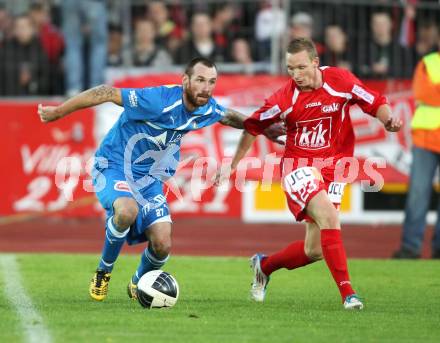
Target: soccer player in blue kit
[138,154]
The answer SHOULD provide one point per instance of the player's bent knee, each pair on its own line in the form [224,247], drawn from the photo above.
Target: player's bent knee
[327,218]
[125,214]
[162,247]
[313,254]
[323,212]
[125,218]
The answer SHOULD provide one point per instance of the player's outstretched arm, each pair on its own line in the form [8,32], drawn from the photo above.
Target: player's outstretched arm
[233,118]
[390,122]
[243,147]
[91,97]
[236,119]
[245,143]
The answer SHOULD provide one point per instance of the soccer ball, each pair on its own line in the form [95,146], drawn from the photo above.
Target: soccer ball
[157,289]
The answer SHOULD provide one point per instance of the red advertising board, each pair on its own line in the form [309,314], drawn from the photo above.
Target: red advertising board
[31,152]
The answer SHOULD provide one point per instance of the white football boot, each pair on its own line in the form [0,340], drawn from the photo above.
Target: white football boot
[260,281]
[352,302]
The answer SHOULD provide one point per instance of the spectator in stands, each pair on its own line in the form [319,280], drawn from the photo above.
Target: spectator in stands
[84,19]
[177,13]
[201,42]
[24,68]
[384,57]
[5,25]
[270,23]
[241,54]
[335,52]
[425,127]
[169,35]
[114,53]
[146,51]
[224,27]
[427,36]
[407,25]
[52,42]
[51,39]
[381,27]
[301,26]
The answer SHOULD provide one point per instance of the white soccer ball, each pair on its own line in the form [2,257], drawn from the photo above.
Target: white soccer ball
[157,289]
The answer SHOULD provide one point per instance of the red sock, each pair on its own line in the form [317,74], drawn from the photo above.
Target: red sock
[334,255]
[291,257]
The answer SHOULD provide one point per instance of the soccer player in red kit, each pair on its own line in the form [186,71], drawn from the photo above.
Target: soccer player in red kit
[314,105]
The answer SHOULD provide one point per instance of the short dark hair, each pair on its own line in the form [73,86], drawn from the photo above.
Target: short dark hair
[302,44]
[189,69]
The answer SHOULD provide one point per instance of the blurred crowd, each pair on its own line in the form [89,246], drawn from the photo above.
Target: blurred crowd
[63,47]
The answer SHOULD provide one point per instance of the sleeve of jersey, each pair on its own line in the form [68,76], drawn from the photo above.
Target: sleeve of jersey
[219,112]
[216,115]
[265,116]
[142,103]
[367,99]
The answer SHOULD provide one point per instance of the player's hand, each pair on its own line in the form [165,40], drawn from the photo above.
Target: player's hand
[274,132]
[223,174]
[393,124]
[48,113]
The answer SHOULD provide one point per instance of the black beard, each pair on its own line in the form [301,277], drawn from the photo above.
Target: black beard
[192,100]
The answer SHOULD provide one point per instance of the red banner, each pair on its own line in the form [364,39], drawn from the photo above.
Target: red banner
[32,151]
[31,154]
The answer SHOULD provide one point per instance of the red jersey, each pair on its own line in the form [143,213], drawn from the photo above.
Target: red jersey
[318,122]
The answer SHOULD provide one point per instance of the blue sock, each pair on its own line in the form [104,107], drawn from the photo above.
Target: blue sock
[149,262]
[114,240]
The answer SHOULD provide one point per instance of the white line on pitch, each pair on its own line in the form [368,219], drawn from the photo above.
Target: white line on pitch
[31,320]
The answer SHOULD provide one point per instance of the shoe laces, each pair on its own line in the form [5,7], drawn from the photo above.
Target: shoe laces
[353,297]
[101,277]
[260,279]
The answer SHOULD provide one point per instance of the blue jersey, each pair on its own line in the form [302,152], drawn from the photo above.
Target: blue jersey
[146,138]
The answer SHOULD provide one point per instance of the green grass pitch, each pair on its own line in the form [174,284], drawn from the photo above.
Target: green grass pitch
[402,303]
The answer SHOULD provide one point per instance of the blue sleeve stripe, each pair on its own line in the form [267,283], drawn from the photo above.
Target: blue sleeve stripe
[181,127]
[209,111]
[153,125]
[218,111]
[169,108]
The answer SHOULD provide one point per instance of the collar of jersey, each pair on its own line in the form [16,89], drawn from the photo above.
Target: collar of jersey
[199,111]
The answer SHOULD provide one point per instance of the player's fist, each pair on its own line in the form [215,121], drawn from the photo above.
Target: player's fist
[223,174]
[393,124]
[48,113]
[275,132]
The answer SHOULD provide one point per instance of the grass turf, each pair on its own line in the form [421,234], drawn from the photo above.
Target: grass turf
[402,303]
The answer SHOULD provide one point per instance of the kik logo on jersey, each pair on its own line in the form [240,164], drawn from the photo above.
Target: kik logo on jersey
[314,134]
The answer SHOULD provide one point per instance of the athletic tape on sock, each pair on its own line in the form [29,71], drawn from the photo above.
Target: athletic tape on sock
[114,231]
[154,260]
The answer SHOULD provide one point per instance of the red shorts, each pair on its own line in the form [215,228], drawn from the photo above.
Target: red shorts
[302,184]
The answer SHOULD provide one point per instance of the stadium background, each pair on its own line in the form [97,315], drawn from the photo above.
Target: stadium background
[247,39]
[49,245]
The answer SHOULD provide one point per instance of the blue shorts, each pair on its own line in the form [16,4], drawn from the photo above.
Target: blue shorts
[111,184]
